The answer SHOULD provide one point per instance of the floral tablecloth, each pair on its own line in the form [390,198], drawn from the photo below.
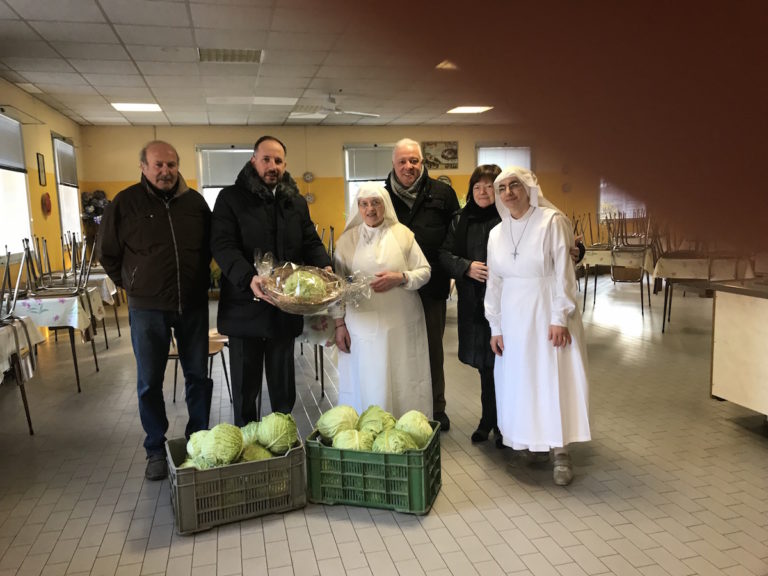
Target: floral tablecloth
[8,342]
[62,311]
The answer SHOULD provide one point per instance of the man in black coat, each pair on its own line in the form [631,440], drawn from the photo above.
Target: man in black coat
[426,206]
[154,243]
[262,212]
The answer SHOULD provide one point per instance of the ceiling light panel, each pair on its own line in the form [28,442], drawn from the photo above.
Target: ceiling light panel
[469,109]
[135,107]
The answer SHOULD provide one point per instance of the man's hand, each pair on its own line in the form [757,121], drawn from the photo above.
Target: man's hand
[257,288]
[497,345]
[559,336]
[343,340]
[478,271]
[386,281]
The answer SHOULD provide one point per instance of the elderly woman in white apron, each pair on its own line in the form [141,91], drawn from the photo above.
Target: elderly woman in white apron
[536,330]
[383,356]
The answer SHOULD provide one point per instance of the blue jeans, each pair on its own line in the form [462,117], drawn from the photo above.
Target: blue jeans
[151,339]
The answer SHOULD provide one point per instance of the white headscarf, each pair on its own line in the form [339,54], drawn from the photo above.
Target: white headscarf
[371,190]
[529,182]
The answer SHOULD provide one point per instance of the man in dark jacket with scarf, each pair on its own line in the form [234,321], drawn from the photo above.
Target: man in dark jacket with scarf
[155,243]
[262,212]
[426,206]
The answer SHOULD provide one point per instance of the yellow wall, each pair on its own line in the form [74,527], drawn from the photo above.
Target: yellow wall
[110,158]
[39,123]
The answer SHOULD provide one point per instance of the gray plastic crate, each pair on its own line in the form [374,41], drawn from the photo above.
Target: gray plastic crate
[203,499]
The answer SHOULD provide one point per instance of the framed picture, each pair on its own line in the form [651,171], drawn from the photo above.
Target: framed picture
[441,155]
[41,169]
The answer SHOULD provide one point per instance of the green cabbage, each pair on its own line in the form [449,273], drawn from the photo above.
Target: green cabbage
[335,420]
[195,442]
[375,420]
[188,463]
[354,440]
[253,452]
[222,445]
[278,433]
[304,285]
[394,441]
[250,432]
[417,425]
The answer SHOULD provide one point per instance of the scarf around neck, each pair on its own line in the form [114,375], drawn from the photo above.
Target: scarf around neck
[406,194]
[471,212]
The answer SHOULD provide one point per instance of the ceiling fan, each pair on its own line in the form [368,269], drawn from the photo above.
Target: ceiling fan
[317,113]
[330,106]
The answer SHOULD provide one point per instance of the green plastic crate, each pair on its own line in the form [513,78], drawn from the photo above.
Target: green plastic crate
[406,482]
[203,499]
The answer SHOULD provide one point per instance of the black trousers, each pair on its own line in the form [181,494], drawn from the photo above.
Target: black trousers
[434,314]
[487,399]
[250,358]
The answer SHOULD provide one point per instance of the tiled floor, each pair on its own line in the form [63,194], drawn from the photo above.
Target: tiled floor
[673,483]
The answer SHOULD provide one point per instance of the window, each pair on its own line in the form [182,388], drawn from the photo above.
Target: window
[219,167]
[614,200]
[504,156]
[365,163]
[66,186]
[14,197]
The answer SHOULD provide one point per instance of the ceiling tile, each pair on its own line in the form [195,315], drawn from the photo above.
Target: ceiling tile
[37,64]
[62,91]
[178,95]
[104,66]
[309,20]
[16,30]
[146,117]
[235,83]
[106,120]
[85,51]
[188,117]
[300,41]
[287,82]
[163,53]
[229,69]
[155,35]
[6,13]
[126,94]
[75,32]
[66,78]
[151,13]
[169,69]
[295,57]
[230,17]
[277,91]
[250,3]
[169,81]
[101,80]
[59,11]
[275,71]
[26,49]
[12,76]
[237,39]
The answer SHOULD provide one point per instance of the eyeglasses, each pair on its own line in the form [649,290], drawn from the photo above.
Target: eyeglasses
[516,184]
[370,203]
[480,187]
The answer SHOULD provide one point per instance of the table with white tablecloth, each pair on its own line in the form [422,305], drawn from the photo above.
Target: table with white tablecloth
[17,354]
[640,258]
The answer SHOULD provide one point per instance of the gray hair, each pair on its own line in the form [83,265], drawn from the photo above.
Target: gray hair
[406,142]
[143,153]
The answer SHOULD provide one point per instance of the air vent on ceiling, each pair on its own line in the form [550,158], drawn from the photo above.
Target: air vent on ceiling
[230,55]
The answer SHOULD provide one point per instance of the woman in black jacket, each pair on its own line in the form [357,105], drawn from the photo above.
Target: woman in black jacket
[463,255]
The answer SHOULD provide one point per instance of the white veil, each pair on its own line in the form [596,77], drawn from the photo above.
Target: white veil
[529,182]
[371,190]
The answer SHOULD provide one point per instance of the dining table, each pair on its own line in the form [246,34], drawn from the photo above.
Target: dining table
[67,312]
[16,353]
[640,257]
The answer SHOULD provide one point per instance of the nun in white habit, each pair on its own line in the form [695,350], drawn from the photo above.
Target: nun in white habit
[536,329]
[383,355]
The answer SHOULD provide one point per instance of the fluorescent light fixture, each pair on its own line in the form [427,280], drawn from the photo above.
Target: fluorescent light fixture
[447,65]
[254,100]
[135,107]
[307,116]
[27,87]
[230,55]
[469,109]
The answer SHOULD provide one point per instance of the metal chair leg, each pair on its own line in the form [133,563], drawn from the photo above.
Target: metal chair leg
[322,372]
[315,361]
[104,327]
[586,286]
[226,376]
[74,357]
[20,381]
[175,375]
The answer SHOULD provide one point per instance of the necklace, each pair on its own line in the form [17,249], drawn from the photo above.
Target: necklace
[515,254]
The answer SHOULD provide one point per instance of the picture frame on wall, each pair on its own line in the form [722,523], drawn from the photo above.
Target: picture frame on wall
[442,155]
[41,169]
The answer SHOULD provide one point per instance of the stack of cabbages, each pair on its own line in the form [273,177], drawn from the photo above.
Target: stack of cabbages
[375,430]
[227,444]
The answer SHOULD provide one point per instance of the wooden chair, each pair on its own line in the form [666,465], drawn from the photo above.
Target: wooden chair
[216,343]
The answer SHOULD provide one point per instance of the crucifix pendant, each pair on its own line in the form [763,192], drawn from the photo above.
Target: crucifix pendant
[514,254]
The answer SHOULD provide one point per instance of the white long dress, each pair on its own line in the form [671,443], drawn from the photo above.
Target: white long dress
[541,391]
[388,363]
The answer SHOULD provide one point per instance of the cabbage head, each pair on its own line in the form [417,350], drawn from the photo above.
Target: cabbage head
[250,432]
[188,463]
[304,285]
[195,443]
[375,420]
[278,433]
[394,441]
[335,420]
[222,445]
[253,452]
[417,425]
[354,440]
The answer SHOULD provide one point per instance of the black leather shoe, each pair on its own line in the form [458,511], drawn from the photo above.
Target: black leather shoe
[479,435]
[445,422]
[500,442]
[157,467]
